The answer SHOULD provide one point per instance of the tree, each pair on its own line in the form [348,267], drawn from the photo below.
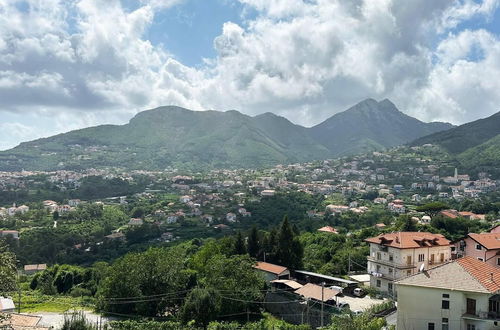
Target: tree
[432,209]
[236,282]
[201,305]
[239,244]
[253,247]
[157,272]
[289,250]
[8,269]
[407,223]
[352,322]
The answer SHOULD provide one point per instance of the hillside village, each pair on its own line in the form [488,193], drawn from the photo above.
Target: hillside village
[403,206]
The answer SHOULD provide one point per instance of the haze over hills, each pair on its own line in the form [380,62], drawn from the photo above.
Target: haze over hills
[173,136]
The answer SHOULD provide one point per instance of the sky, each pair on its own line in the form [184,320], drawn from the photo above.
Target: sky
[69,64]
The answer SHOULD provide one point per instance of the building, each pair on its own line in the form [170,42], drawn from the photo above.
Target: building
[328,229]
[397,255]
[32,269]
[272,271]
[462,294]
[484,247]
[6,305]
[7,233]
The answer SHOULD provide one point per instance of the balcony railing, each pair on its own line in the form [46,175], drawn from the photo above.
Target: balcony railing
[391,263]
[481,315]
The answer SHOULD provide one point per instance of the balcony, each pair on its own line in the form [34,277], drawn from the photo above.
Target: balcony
[391,263]
[481,316]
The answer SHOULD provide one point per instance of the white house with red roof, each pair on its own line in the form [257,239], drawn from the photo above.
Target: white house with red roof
[463,294]
[396,255]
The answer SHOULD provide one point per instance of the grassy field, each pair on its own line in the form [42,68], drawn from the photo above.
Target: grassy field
[33,301]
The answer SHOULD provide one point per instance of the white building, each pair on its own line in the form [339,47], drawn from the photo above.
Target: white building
[462,294]
[397,255]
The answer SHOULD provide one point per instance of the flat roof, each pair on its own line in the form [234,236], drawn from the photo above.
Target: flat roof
[326,277]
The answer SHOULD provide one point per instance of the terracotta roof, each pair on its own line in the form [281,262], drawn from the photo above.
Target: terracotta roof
[487,275]
[490,241]
[270,268]
[449,213]
[464,274]
[409,240]
[328,229]
[314,291]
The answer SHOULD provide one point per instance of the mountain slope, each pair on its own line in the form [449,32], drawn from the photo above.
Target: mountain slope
[172,136]
[461,138]
[369,126]
[484,155]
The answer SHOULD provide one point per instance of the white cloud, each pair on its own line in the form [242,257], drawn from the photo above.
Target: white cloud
[84,62]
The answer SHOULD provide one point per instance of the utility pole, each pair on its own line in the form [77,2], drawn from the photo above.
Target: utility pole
[322,303]
[349,267]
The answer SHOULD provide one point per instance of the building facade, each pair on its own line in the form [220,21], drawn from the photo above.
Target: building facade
[462,294]
[397,255]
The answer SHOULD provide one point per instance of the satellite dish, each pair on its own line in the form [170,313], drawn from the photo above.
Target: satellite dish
[421,268]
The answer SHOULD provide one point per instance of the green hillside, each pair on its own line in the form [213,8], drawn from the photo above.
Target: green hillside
[171,136]
[484,155]
[177,137]
[369,126]
[463,137]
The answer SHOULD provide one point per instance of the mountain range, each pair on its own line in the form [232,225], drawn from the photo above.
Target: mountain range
[174,136]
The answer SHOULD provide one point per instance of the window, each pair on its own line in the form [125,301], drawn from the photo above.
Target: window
[445,304]
[389,287]
[378,268]
[444,323]
[378,283]
[390,271]
[494,306]
[446,295]
[408,272]
[379,256]
[441,257]
[391,257]
[480,259]
[431,261]
[498,261]
[421,257]
[430,326]
[478,247]
[471,327]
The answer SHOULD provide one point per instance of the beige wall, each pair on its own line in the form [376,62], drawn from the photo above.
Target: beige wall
[417,306]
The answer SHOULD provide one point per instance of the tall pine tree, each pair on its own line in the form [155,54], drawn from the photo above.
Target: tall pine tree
[253,245]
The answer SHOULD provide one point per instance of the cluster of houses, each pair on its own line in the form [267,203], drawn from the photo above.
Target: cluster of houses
[439,284]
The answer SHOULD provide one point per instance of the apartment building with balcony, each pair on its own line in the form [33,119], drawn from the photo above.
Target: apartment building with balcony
[462,294]
[397,255]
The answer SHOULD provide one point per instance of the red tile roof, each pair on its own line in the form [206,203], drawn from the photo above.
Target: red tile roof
[270,268]
[490,241]
[488,276]
[409,240]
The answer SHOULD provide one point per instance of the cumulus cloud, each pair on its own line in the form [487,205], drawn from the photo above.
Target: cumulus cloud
[83,62]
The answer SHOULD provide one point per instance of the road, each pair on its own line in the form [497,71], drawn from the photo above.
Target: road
[56,320]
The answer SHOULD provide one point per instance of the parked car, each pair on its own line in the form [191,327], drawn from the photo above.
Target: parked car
[337,288]
[358,292]
[343,305]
